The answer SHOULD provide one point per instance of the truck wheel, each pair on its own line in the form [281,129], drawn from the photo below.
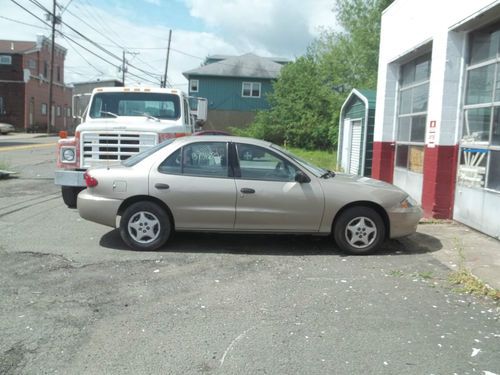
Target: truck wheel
[359,230]
[70,194]
[145,226]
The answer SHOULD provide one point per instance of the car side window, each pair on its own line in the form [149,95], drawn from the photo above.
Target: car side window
[205,159]
[257,163]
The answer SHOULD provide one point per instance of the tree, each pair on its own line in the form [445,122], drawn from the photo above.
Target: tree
[306,98]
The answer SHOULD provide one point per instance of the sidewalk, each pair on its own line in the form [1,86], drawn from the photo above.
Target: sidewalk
[464,246]
[17,136]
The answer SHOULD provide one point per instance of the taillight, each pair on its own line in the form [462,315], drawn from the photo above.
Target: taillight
[89,180]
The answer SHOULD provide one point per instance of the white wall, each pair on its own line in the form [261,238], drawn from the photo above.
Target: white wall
[407,26]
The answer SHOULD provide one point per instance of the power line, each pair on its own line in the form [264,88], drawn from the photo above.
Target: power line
[22,23]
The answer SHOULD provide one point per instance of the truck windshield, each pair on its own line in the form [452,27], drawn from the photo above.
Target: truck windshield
[113,104]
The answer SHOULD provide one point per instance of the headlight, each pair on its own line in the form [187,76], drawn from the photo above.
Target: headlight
[68,155]
[408,202]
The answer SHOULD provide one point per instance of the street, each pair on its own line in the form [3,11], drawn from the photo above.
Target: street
[75,300]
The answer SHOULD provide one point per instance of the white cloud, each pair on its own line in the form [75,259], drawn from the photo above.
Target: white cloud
[265,27]
[275,26]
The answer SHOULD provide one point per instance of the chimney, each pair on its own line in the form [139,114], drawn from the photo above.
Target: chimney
[12,46]
[39,40]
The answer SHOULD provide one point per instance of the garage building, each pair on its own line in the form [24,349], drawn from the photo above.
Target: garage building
[437,124]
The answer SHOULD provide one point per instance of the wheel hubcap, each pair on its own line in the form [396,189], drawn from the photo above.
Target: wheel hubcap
[361,232]
[143,227]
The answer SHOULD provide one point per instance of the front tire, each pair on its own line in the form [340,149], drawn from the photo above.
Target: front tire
[359,230]
[145,226]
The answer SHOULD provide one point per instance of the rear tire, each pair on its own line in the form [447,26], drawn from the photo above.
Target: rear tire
[359,230]
[70,195]
[145,226]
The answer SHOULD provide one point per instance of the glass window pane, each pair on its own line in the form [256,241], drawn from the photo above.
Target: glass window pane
[423,69]
[484,46]
[207,159]
[405,102]
[404,124]
[420,98]
[472,167]
[494,171]
[256,89]
[416,159]
[495,135]
[257,163]
[480,85]
[172,164]
[497,85]
[246,89]
[418,128]
[476,125]
[402,156]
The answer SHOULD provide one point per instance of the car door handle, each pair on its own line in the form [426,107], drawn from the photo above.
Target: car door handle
[162,186]
[247,191]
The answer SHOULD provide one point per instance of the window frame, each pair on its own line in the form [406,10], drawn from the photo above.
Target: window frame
[191,82]
[411,87]
[493,105]
[5,60]
[43,109]
[259,85]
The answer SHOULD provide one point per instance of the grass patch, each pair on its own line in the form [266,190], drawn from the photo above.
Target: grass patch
[426,275]
[323,159]
[467,282]
[4,165]
[396,273]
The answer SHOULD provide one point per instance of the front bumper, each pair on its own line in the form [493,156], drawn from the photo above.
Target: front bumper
[98,209]
[404,222]
[69,178]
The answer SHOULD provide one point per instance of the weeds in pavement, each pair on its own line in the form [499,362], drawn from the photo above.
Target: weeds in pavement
[467,282]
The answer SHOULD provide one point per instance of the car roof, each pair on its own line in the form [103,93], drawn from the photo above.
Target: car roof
[222,138]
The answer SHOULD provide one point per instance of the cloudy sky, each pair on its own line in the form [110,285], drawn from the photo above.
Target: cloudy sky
[281,28]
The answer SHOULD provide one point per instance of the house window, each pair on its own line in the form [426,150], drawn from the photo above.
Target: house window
[193,85]
[58,111]
[5,60]
[480,142]
[68,112]
[45,69]
[250,90]
[44,109]
[412,113]
[58,74]
[32,64]
[2,106]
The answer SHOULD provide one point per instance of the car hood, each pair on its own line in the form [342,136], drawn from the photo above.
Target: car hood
[352,188]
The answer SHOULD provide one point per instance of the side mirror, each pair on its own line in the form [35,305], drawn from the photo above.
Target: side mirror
[301,177]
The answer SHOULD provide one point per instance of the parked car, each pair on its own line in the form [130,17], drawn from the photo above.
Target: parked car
[203,184]
[212,132]
[6,128]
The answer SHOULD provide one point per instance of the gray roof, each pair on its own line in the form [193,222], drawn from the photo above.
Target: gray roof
[244,66]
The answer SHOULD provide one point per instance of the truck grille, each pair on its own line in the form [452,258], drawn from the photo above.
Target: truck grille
[102,148]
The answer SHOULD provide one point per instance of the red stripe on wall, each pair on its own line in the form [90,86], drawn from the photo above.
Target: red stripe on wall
[440,170]
[383,161]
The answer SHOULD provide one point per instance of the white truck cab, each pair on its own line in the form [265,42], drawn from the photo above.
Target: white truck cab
[118,123]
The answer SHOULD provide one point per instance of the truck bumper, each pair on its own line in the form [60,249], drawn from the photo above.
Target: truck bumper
[69,178]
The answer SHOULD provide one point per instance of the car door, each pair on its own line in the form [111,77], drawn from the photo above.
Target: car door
[269,198]
[195,183]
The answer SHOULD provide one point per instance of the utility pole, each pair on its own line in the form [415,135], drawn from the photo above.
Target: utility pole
[123,68]
[168,54]
[50,111]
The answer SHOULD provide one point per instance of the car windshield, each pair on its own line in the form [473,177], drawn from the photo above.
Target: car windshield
[133,160]
[161,106]
[317,171]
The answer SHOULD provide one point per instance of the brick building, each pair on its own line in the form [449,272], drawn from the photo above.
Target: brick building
[24,85]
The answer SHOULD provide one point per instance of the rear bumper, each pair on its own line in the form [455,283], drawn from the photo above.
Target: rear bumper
[98,209]
[69,178]
[404,222]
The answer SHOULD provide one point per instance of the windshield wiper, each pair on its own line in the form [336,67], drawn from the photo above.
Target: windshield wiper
[110,113]
[145,114]
[327,174]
